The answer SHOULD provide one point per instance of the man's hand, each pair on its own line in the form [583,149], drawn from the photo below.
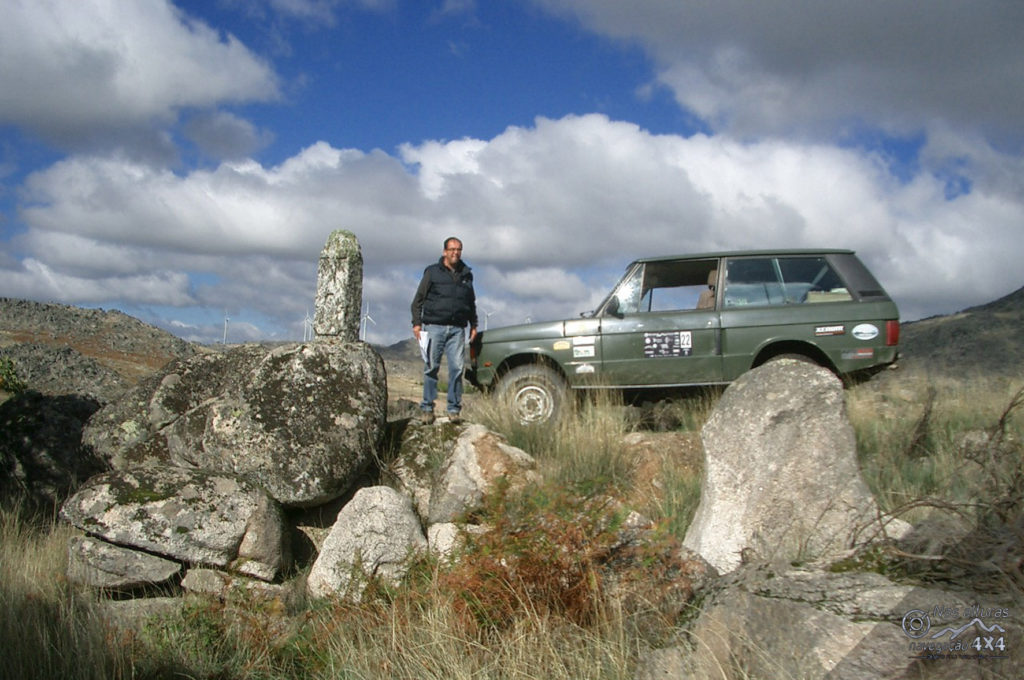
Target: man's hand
[416,332]
[472,334]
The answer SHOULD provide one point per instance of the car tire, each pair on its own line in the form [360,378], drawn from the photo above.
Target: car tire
[534,393]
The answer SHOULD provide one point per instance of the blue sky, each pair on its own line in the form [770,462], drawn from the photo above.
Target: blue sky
[185,161]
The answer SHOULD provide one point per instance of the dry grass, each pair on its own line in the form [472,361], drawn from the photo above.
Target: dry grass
[949,456]
[921,437]
[48,630]
[584,447]
[528,600]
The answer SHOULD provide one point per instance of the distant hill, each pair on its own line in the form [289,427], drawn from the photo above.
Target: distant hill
[60,349]
[987,339]
[403,350]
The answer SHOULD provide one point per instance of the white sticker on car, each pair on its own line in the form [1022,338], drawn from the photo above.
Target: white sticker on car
[670,344]
[865,331]
[584,352]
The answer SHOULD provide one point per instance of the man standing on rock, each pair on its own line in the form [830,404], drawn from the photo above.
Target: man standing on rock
[444,303]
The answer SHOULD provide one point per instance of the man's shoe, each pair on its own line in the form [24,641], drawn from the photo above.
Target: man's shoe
[427,417]
[454,418]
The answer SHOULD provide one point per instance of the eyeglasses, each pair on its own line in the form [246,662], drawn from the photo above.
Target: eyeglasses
[454,250]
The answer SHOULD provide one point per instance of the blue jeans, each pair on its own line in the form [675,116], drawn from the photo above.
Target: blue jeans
[450,341]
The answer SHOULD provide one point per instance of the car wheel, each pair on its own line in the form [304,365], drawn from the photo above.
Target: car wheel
[535,393]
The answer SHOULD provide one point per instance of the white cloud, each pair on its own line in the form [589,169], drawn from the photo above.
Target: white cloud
[437,160]
[549,216]
[76,68]
[37,280]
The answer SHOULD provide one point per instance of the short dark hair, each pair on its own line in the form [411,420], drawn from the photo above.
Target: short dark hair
[450,239]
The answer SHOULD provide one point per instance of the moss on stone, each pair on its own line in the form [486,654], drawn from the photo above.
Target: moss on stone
[341,243]
[875,559]
[141,493]
[131,429]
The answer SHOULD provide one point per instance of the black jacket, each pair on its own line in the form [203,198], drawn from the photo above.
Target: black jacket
[445,297]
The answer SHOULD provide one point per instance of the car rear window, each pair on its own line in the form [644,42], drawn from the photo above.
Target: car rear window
[862,282]
[782,281]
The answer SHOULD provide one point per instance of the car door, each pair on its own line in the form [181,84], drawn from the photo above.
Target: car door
[653,334]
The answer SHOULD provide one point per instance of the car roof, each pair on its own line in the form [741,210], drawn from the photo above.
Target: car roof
[744,253]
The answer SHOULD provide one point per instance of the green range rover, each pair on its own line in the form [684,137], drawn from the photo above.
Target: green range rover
[690,320]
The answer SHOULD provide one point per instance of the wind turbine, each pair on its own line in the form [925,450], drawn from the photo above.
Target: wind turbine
[487,315]
[307,328]
[224,341]
[366,317]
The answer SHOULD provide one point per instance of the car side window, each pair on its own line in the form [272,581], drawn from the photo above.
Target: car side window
[675,285]
[750,281]
[812,279]
[782,281]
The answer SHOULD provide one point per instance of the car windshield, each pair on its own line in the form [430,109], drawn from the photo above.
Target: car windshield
[601,308]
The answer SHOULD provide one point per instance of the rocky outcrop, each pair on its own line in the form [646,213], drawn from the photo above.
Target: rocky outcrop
[192,516]
[60,370]
[448,470]
[301,420]
[782,501]
[60,349]
[206,454]
[99,564]
[73,361]
[221,584]
[375,536]
[478,460]
[443,473]
[821,624]
[781,480]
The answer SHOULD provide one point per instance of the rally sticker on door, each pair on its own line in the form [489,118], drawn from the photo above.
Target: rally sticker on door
[668,344]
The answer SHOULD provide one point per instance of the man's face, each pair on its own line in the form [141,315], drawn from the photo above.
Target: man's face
[452,253]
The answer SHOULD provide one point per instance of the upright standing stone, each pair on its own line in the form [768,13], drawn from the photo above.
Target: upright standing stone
[339,289]
[781,481]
